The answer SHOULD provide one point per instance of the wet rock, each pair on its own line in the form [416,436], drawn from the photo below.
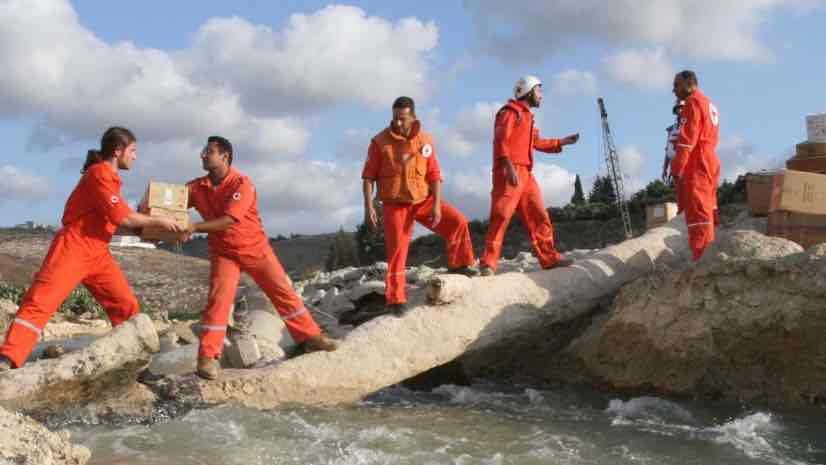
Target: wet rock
[23,441]
[369,287]
[82,376]
[746,324]
[53,351]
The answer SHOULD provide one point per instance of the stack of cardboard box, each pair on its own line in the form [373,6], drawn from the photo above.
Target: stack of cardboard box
[759,192]
[164,200]
[798,203]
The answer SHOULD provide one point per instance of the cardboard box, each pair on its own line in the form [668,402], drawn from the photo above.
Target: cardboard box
[816,127]
[659,214]
[799,192]
[165,195]
[809,164]
[810,149]
[805,229]
[153,233]
[759,192]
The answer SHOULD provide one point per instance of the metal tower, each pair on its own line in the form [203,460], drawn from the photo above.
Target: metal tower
[614,170]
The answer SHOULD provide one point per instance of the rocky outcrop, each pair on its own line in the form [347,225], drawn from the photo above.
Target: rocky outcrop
[23,441]
[388,350]
[105,368]
[746,323]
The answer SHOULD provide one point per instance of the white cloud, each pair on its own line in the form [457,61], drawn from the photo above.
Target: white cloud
[706,29]
[470,190]
[260,87]
[337,54]
[19,185]
[643,68]
[470,134]
[739,156]
[573,82]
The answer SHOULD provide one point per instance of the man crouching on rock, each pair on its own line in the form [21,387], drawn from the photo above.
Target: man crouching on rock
[226,200]
[402,160]
[79,253]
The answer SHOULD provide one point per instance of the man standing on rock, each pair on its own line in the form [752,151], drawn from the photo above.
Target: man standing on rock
[514,188]
[696,168]
[79,252]
[227,201]
[402,161]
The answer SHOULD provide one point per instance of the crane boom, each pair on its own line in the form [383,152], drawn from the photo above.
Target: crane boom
[614,170]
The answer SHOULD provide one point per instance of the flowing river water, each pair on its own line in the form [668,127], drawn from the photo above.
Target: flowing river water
[487,424]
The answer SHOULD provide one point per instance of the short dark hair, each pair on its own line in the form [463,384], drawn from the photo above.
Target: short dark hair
[224,145]
[689,76]
[405,102]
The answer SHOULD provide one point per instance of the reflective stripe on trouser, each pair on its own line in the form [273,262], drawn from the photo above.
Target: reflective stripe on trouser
[66,265]
[700,215]
[398,229]
[526,200]
[267,272]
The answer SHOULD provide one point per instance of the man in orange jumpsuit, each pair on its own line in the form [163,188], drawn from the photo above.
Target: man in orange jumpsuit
[227,201]
[696,168]
[514,188]
[79,253]
[402,160]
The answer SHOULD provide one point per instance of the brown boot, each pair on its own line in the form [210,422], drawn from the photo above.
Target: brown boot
[5,364]
[486,271]
[208,368]
[319,343]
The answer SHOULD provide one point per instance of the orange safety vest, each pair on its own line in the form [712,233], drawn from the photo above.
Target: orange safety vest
[403,168]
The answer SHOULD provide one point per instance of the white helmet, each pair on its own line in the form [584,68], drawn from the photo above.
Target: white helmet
[524,85]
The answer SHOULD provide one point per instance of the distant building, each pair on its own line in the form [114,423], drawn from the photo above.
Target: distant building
[34,226]
[129,241]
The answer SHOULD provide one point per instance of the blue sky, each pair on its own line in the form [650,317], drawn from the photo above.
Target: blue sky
[301,86]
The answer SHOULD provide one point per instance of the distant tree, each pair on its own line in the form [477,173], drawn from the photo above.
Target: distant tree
[602,191]
[342,251]
[579,195]
[369,243]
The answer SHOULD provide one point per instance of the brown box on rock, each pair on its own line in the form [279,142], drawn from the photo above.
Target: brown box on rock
[810,149]
[659,214]
[165,195]
[805,229]
[153,233]
[799,192]
[759,192]
[809,164]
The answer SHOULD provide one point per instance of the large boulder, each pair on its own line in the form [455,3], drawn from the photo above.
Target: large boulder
[24,441]
[110,364]
[473,315]
[746,323]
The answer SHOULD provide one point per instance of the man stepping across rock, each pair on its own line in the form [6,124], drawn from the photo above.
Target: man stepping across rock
[515,190]
[227,201]
[402,160]
[79,253]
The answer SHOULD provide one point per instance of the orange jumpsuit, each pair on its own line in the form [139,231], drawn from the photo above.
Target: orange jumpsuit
[515,138]
[404,168]
[79,254]
[697,170]
[242,247]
